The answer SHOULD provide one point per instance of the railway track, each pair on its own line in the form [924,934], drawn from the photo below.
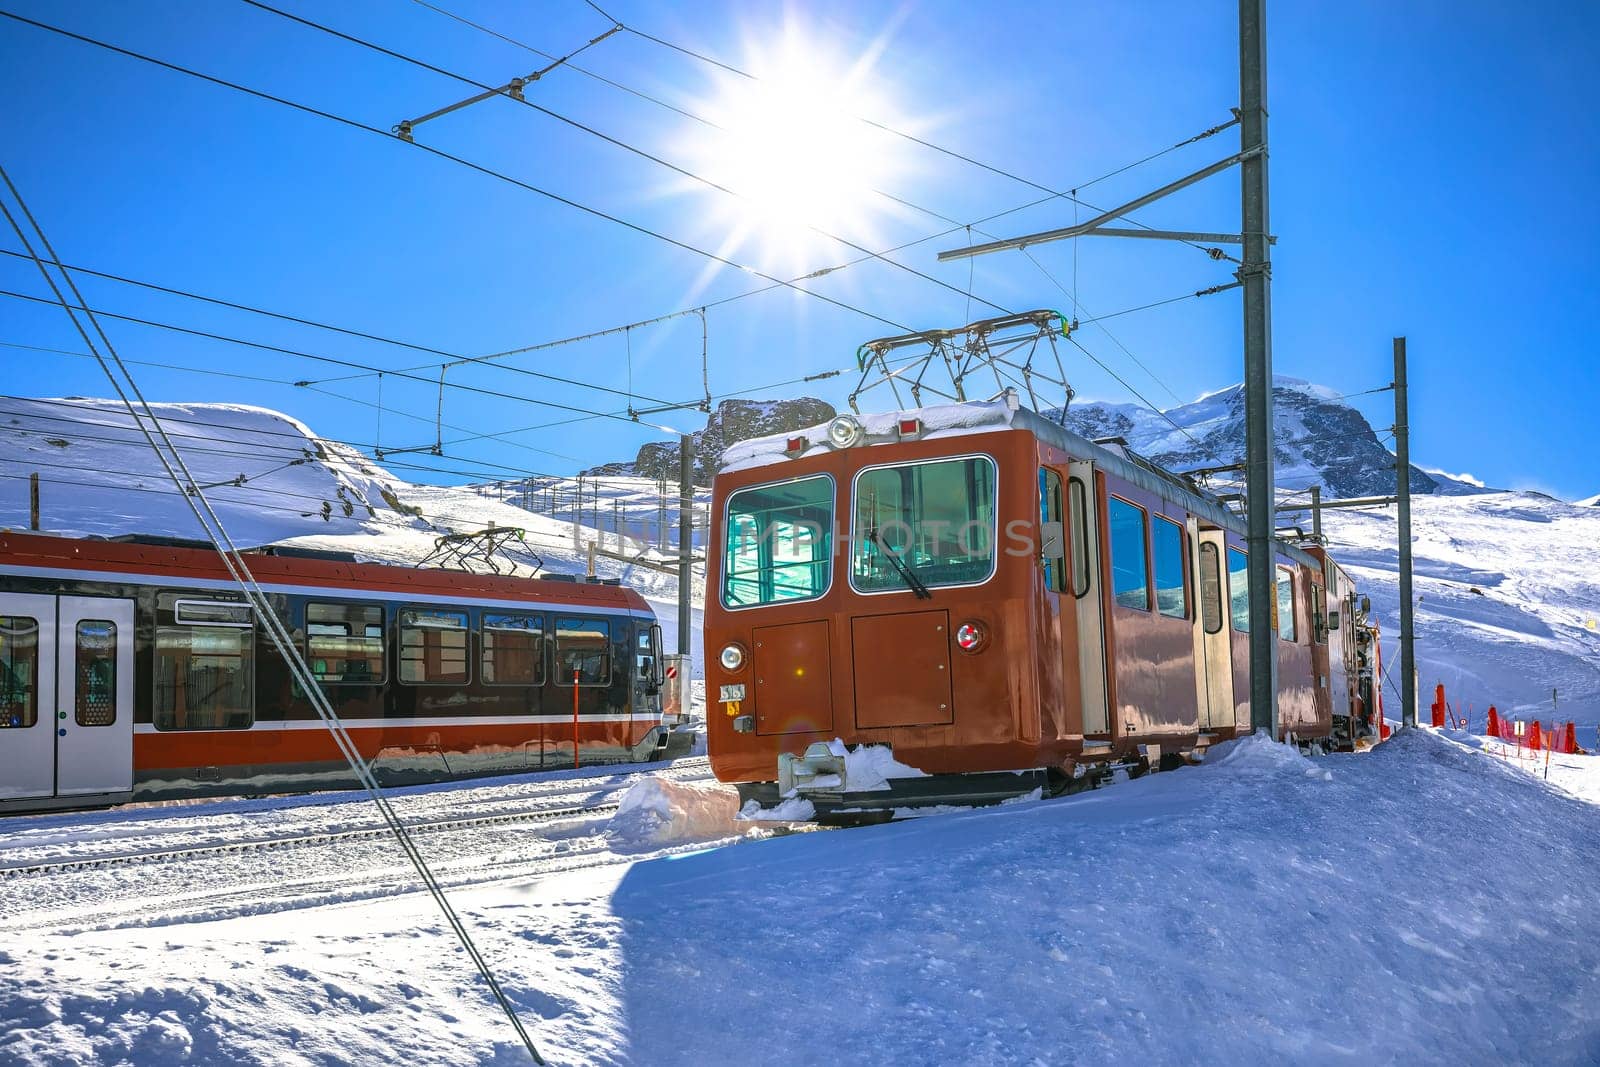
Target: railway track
[415,814]
[299,840]
[154,877]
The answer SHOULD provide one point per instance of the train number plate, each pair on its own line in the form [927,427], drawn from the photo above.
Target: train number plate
[733,692]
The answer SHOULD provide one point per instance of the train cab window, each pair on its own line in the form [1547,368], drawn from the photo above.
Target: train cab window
[583,649]
[344,643]
[1052,543]
[1210,589]
[1172,591]
[433,646]
[513,649]
[1239,590]
[778,542]
[1130,572]
[94,673]
[204,656]
[1078,523]
[936,519]
[648,641]
[1285,604]
[19,671]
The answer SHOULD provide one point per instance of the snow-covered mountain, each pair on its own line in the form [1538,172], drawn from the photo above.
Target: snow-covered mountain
[733,421]
[1590,502]
[1320,440]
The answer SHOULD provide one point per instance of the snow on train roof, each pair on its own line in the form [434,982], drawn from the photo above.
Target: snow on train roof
[972,417]
[945,420]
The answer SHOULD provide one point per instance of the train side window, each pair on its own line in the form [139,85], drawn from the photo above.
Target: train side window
[210,613]
[204,659]
[1052,547]
[1210,589]
[583,647]
[1130,569]
[19,671]
[1078,520]
[344,643]
[1172,591]
[1239,589]
[513,649]
[1285,605]
[94,673]
[433,646]
[1319,620]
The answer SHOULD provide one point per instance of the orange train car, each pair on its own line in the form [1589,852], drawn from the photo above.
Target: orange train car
[134,669]
[1000,603]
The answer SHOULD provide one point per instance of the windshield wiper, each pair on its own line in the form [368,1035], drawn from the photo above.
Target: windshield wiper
[900,567]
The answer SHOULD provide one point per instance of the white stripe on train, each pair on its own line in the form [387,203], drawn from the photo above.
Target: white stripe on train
[335,592]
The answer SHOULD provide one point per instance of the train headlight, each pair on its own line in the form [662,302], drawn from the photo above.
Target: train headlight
[732,658]
[971,636]
[844,431]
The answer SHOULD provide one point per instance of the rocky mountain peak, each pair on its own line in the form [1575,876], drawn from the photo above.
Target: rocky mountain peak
[732,421]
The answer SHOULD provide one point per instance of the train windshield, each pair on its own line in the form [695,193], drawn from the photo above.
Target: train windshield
[779,542]
[937,518]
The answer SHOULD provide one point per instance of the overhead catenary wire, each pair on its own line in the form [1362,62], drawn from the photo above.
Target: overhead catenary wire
[883,256]
[489,172]
[625,146]
[238,569]
[1053,194]
[460,161]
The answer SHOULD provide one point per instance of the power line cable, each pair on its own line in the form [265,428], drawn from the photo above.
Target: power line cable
[460,161]
[625,146]
[484,170]
[239,570]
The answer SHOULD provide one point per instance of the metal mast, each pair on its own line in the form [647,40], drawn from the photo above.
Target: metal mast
[1402,492]
[685,540]
[1256,274]
[1254,277]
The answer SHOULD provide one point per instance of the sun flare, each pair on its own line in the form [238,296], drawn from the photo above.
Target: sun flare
[792,143]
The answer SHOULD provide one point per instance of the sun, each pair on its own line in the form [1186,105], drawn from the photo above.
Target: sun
[798,145]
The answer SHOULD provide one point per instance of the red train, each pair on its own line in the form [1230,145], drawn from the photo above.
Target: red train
[134,669]
[1002,603]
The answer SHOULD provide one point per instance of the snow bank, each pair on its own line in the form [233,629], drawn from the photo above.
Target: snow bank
[1424,906]
[656,812]
[868,768]
[1258,754]
[794,809]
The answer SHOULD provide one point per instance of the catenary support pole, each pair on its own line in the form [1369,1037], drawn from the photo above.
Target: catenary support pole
[33,501]
[1316,513]
[1255,274]
[1402,492]
[685,539]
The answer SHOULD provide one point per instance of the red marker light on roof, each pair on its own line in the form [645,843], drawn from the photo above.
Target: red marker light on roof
[910,428]
[796,445]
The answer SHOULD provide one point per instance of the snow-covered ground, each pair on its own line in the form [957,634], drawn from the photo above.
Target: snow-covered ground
[1427,902]
[1434,900]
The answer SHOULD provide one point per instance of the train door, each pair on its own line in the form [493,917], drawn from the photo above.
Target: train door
[1213,643]
[1084,534]
[66,696]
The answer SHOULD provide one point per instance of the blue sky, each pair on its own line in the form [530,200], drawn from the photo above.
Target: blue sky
[1433,168]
